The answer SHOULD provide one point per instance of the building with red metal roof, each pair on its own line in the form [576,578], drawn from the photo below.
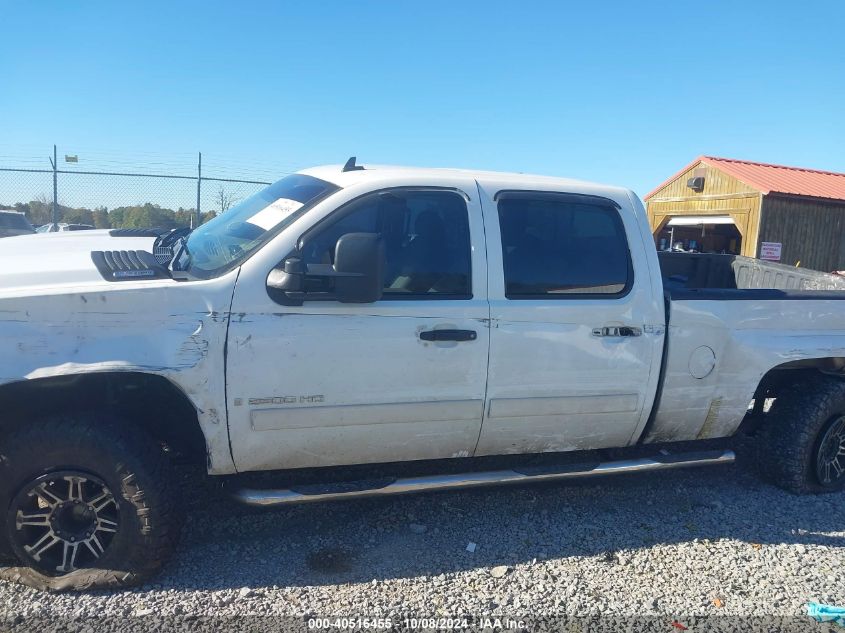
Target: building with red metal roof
[793,215]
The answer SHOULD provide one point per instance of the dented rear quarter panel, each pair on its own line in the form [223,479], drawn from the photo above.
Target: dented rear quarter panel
[748,338]
[172,329]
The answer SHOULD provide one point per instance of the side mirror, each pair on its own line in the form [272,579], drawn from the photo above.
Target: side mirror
[285,283]
[287,277]
[359,266]
[358,272]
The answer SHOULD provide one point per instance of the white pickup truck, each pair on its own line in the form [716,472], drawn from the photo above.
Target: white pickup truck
[344,320]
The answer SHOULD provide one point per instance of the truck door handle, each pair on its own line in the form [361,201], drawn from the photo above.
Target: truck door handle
[617,331]
[448,335]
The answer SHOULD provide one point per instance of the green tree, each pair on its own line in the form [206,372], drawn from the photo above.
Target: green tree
[101,218]
[77,216]
[147,215]
[116,217]
[40,211]
[182,217]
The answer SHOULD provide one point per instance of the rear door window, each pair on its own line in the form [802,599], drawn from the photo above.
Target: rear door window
[562,246]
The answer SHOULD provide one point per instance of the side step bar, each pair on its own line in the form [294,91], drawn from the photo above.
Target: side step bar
[349,490]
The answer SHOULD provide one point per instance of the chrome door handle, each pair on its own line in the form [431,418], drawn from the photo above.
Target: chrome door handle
[615,331]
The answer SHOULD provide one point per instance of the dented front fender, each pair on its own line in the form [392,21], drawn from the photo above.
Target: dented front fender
[173,329]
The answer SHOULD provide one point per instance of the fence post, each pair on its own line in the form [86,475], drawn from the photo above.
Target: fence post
[199,184]
[55,188]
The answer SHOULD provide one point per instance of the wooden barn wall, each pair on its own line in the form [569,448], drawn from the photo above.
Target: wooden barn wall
[812,232]
[722,195]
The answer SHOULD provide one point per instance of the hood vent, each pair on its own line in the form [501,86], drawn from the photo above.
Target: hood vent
[128,265]
[154,232]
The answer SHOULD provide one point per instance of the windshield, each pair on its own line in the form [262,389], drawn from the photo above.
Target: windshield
[227,240]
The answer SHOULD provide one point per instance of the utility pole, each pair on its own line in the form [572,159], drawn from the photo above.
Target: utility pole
[199,184]
[55,188]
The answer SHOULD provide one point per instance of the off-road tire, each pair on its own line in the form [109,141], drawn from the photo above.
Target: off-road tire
[791,433]
[134,468]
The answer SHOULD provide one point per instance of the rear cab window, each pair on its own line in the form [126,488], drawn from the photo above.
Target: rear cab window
[563,246]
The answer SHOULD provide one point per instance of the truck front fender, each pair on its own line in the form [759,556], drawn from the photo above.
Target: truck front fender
[167,332]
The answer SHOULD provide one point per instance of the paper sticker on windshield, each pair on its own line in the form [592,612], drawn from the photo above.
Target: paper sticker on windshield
[270,216]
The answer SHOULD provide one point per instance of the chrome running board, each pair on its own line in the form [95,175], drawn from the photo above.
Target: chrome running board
[350,490]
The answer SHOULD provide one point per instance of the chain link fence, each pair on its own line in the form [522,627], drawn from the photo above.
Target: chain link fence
[106,199]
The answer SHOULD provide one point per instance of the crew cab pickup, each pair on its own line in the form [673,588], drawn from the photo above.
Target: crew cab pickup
[346,319]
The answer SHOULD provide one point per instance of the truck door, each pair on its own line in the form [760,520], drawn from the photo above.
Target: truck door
[576,329]
[402,378]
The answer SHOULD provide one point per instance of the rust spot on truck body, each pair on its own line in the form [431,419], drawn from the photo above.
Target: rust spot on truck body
[710,420]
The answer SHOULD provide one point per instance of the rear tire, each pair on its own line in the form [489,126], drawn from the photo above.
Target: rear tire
[802,440]
[88,503]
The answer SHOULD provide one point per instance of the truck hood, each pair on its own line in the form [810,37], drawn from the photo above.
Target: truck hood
[52,260]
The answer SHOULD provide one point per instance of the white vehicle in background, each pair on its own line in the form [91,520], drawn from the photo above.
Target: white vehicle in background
[14,223]
[345,320]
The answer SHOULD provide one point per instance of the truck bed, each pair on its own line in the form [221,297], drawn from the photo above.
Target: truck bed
[699,271]
[731,320]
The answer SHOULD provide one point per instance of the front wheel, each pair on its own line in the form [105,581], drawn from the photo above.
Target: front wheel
[802,446]
[88,504]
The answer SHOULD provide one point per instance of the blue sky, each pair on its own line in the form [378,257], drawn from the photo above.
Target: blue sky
[623,92]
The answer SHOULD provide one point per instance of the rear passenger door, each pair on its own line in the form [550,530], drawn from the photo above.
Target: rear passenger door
[575,327]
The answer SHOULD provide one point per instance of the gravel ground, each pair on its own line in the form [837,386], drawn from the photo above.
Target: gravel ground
[676,546]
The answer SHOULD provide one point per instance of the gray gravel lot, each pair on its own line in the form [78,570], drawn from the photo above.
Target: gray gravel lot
[701,542]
